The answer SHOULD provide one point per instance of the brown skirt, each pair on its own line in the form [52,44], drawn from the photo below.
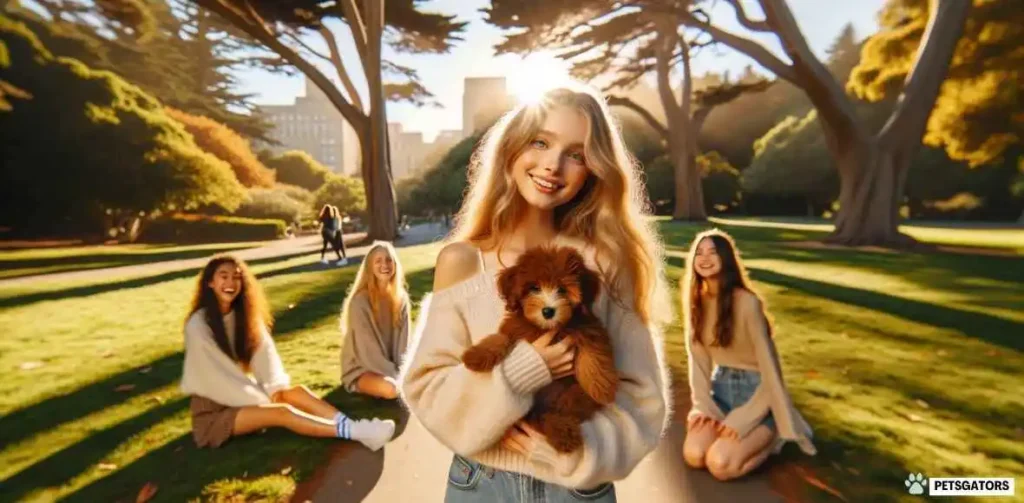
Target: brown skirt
[212,423]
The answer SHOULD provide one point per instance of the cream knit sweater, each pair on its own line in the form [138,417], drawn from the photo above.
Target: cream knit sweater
[469,412]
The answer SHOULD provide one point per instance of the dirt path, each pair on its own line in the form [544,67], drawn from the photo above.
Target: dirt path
[414,467]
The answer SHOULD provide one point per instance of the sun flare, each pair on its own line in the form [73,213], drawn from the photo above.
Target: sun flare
[530,77]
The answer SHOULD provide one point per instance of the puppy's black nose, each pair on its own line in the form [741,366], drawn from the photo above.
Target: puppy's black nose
[548,312]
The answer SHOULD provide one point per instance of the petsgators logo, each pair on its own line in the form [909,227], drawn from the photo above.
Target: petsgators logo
[960,486]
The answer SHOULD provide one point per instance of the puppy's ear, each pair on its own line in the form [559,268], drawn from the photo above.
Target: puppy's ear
[590,282]
[510,287]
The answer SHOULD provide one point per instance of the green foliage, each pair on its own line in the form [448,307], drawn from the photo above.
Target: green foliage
[226,145]
[792,159]
[977,114]
[345,192]
[273,203]
[438,189]
[296,167]
[193,228]
[295,192]
[90,144]
[719,181]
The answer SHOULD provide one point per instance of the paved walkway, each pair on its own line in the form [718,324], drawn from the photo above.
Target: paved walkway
[414,468]
[295,246]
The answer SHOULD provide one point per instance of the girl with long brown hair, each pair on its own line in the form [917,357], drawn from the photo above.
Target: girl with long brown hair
[375,325]
[227,338]
[552,172]
[741,411]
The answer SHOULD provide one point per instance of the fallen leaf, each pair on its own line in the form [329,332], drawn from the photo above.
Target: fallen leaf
[812,374]
[914,417]
[107,466]
[812,480]
[157,399]
[853,471]
[923,404]
[146,493]
[178,449]
[125,387]
[30,365]
[291,306]
[992,352]
[107,354]
[286,470]
[145,370]
[942,352]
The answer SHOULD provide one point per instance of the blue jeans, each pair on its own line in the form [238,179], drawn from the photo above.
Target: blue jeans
[732,387]
[471,482]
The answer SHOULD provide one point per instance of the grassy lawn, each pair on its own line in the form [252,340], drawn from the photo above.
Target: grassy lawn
[901,362]
[31,262]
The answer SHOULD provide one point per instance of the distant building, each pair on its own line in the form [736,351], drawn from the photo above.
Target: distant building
[313,125]
[407,150]
[484,100]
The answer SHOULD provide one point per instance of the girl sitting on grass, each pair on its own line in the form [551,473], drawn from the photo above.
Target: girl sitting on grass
[226,338]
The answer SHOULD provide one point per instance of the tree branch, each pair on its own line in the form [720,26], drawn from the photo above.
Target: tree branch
[624,102]
[358,28]
[744,45]
[295,38]
[925,79]
[332,45]
[664,45]
[741,16]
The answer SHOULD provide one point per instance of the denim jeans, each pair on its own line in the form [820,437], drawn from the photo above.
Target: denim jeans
[732,387]
[471,482]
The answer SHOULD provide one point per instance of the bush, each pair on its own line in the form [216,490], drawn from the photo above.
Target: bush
[295,192]
[88,145]
[226,145]
[342,191]
[192,228]
[296,167]
[272,204]
[719,181]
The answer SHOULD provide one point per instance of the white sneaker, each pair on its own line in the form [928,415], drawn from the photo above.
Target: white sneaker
[323,261]
[373,433]
[342,262]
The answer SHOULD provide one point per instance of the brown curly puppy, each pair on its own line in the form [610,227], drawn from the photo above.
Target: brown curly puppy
[551,289]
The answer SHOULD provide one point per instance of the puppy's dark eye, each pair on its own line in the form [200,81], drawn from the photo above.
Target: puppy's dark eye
[561,290]
[534,288]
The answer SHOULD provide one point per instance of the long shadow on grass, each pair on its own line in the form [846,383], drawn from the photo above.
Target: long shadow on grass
[23,423]
[981,326]
[87,290]
[248,457]
[84,262]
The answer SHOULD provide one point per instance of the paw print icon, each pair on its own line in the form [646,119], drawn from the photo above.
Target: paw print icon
[916,484]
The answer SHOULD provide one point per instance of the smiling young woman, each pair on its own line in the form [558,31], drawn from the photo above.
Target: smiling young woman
[227,338]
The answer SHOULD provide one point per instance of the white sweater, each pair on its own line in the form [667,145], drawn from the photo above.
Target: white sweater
[469,412]
[210,373]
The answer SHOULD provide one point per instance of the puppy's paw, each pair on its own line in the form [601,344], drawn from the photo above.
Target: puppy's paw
[481,358]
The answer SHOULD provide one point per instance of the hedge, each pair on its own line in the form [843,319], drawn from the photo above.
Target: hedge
[192,228]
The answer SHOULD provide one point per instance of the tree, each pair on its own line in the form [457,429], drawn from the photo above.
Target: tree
[227,146]
[439,189]
[296,167]
[344,192]
[977,112]
[281,25]
[87,148]
[872,166]
[629,40]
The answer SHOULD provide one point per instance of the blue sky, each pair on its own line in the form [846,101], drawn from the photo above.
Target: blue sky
[820,20]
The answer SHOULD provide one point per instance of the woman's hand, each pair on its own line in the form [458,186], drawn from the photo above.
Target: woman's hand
[524,439]
[559,357]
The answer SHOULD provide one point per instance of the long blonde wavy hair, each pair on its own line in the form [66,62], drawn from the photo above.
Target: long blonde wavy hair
[610,213]
[394,295]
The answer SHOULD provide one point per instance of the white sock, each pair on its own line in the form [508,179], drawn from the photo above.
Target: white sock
[373,433]
[343,425]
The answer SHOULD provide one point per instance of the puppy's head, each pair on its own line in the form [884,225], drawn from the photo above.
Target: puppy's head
[548,284]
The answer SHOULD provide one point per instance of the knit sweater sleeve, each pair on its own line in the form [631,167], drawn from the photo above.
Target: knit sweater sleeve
[208,372]
[267,367]
[466,411]
[753,326]
[620,435]
[699,365]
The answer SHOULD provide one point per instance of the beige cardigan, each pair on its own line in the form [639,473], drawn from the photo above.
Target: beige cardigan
[751,349]
[372,344]
[469,412]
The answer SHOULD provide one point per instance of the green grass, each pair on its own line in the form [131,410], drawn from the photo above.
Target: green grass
[36,261]
[900,362]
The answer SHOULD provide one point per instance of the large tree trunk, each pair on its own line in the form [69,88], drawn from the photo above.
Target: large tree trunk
[689,192]
[380,197]
[871,189]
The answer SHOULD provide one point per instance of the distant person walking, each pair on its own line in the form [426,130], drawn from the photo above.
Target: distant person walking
[227,336]
[330,232]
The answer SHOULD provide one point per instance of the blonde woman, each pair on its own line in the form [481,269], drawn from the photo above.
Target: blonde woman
[550,172]
[375,325]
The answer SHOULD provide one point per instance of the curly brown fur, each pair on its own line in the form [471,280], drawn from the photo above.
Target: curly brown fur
[552,289]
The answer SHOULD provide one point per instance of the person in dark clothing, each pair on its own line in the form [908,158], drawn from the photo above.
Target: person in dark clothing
[339,242]
[330,232]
